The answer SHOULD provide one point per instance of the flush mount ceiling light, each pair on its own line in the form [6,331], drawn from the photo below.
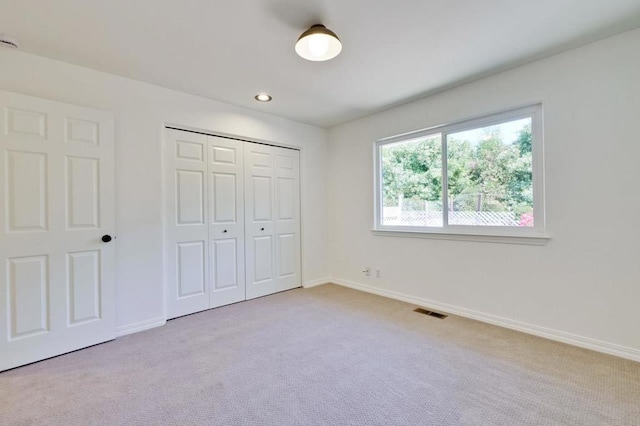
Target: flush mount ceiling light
[263,97]
[318,44]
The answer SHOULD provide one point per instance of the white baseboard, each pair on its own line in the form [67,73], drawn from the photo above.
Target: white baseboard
[560,336]
[315,283]
[140,326]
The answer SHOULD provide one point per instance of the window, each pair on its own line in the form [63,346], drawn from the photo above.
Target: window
[478,177]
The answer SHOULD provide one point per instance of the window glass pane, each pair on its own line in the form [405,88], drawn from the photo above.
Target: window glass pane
[489,173]
[412,182]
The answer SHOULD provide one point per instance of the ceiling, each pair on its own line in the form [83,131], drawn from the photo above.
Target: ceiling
[394,51]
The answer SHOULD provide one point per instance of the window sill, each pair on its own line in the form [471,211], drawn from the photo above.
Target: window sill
[532,240]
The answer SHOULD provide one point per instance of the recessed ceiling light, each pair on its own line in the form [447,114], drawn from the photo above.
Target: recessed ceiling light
[8,41]
[263,97]
[318,44]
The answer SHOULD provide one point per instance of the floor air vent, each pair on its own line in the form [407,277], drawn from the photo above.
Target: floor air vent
[430,313]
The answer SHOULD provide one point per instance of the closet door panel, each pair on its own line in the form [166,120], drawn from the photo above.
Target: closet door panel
[189,197]
[187,249]
[263,265]
[259,224]
[225,259]
[224,187]
[191,269]
[262,189]
[287,217]
[226,221]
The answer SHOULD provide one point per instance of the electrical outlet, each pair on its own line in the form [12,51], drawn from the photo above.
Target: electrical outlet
[367,271]
[377,273]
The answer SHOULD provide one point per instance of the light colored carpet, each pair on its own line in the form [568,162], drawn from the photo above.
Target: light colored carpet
[324,356]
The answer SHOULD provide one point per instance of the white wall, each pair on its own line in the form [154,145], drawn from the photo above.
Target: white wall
[140,111]
[585,283]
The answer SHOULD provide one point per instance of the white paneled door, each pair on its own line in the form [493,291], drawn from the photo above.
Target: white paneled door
[287,217]
[272,219]
[56,220]
[226,221]
[205,226]
[187,230]
[260,222]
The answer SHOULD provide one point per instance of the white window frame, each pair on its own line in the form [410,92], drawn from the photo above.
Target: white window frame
[528,235]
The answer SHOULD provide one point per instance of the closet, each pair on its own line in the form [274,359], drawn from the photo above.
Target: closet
[232,220]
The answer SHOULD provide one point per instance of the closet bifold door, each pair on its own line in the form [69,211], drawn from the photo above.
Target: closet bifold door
[232,221]
[226,220]
[259,223]
[287,217]
[205,222]
[187,231]
[272,219]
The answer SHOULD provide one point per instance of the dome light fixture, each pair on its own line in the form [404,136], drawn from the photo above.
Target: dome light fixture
[263,97]
[318,43]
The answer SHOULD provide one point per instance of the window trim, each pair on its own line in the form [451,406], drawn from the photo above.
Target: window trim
[537,232]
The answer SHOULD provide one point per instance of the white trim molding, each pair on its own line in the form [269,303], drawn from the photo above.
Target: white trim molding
[140,326]
[547,333]
[501,239]
[315,283]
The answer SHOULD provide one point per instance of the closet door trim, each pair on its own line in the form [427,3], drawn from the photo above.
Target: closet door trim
[234,137]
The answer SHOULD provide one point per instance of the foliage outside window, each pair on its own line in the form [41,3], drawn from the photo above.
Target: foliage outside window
[482,176]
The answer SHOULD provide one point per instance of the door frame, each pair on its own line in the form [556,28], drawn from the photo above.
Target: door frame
[211,132]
